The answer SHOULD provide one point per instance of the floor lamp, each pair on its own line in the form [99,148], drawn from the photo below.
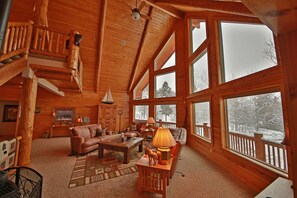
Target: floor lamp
[120,112]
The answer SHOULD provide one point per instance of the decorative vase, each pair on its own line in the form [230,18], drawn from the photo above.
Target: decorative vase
[3,178]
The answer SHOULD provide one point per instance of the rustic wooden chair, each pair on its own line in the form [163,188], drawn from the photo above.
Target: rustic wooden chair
[175,153]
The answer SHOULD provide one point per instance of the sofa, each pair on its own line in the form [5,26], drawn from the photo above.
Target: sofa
[179,134]
[85,138]
[136,130]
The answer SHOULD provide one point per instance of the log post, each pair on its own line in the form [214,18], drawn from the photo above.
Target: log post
[260,148]
[26,123]
[287,44]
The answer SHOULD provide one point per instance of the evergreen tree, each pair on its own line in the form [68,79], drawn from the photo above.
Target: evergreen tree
[165,91]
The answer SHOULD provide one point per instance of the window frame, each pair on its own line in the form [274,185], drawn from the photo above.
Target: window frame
[200,55]
[155,83]
[134,108]
[221,51]
[210,139]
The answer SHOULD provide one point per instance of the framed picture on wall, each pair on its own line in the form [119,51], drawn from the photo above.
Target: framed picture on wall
[10,113]
[64,115]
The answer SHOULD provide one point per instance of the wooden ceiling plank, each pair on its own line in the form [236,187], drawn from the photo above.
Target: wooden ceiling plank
[10,70]
[279,16]
[50,87]
[166,9]
[139,52]
[101,38]
[229,7]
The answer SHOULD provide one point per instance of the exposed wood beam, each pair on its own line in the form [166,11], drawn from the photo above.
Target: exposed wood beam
[50,87]
[53,76]
[205,5]
[36,67]
[10,70]
[279,16]
[101,38]
[166,9]
[139,52]
[69,90]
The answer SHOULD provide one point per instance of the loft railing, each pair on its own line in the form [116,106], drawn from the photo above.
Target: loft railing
[271,153]
[22,38]
[17,41]
[49,43]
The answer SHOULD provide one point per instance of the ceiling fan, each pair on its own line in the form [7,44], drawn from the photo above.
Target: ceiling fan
[136,15]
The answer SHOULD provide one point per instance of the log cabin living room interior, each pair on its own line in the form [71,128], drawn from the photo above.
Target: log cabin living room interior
[222,71]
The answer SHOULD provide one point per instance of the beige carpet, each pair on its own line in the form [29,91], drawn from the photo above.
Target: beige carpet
[203,178]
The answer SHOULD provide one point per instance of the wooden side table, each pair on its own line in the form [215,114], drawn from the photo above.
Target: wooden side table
[153,178]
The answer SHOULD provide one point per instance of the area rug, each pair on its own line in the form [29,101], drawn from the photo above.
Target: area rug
[90,169]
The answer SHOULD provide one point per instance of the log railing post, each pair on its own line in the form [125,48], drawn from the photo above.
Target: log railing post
[71,53]
[28,38]
[260,147]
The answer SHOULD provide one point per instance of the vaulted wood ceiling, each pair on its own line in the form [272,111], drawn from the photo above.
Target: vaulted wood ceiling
[118,54]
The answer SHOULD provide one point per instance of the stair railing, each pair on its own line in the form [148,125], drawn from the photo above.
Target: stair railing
[17,41]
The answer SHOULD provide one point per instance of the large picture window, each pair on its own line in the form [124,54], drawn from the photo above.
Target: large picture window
[202,120]
[256,129]
[165,85]
[200,79]
[197,33]
[141,112]
[167,114]
[246,49]
[166,57]
[141,91]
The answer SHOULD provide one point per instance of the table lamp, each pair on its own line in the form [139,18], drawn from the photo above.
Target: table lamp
[163,140]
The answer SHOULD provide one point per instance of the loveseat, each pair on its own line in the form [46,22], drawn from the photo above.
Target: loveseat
[85,138]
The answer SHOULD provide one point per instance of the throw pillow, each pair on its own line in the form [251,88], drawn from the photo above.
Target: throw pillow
[98,132]
[104,131]
[92,130]
[175,133]
[133,127]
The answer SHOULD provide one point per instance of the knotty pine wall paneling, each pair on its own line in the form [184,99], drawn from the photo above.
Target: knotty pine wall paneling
[64,16]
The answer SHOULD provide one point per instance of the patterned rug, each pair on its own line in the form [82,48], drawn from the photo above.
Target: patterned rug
[89,168]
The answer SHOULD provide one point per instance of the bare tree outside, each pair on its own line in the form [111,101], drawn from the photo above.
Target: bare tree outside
[269,51]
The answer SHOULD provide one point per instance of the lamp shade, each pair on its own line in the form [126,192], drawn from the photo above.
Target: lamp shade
[163,138]
[151,120]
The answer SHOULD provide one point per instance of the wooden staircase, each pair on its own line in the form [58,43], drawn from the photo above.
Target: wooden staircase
[56,56]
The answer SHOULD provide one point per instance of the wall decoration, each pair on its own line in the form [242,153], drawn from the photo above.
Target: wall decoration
[64,115]
[10,113]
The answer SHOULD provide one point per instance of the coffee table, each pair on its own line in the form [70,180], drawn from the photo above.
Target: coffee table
[118,145]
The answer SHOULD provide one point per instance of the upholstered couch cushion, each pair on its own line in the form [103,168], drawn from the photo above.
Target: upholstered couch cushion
[86,138]
[82,132]
[179,134]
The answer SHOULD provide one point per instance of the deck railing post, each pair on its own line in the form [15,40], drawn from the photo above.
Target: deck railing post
[205,130]
[260,147]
